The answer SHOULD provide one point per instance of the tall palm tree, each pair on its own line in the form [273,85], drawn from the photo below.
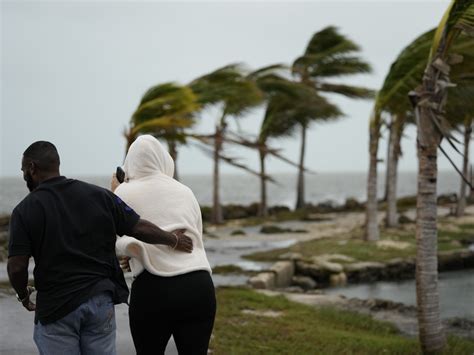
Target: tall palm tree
[429,101]
[405,72]
[328,55]
[164,111]
[229,87]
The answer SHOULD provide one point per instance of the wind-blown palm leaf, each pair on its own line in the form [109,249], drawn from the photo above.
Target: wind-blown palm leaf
[329,49]
[162,123]
[227,85]
[459,17]
[165,100]
[406,72]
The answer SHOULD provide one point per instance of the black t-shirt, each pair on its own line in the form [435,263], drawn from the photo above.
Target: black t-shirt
[70,229]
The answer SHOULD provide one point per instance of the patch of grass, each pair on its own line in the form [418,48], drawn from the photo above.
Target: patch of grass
[283,216]
[302,329]
[353,245]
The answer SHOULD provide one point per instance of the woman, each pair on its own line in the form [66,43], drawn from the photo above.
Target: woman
[172,293]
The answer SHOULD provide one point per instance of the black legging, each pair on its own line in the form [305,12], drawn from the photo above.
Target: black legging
[183,306]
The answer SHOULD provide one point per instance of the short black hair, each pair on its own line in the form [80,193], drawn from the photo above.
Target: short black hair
[44,154]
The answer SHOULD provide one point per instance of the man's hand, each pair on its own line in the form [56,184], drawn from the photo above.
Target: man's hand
[183,242]
[30,306]
[124,262]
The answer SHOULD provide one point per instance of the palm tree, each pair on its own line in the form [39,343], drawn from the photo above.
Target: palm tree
[429,100]
[294,105]
[164,111]
[406,71]
[328,55]
[394,152]
[229,87]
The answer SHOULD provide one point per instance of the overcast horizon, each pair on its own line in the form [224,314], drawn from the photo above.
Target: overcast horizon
[73,72]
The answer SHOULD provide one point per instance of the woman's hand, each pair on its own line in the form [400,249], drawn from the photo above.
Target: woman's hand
[114,183]
[124,262]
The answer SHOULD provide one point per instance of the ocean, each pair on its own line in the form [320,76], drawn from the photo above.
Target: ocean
[245,189]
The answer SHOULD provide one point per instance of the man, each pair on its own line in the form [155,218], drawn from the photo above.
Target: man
[70,228]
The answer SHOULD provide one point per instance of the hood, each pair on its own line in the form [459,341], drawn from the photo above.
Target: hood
[147,156]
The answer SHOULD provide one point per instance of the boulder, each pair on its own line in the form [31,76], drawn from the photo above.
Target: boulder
[264,280]
[305,282]
[336,257]
[338,279]
[334,268]
[365,271]
[284,271]
[316,272]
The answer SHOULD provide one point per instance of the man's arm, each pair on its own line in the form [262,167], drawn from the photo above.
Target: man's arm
[150,233]
[17,269]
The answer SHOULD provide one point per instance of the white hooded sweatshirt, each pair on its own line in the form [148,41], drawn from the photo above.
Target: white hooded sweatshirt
[153,193]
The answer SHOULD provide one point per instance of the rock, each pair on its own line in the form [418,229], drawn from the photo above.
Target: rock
[327,265]
[305,282]
[238,232]
[271,229]
[284,271]
[336,257]
[338,279]
[264,280]
[234,212]
[278,209]
[317,273]
[290,256]
[405,220]
[365,271]
[363,265]
[352,204]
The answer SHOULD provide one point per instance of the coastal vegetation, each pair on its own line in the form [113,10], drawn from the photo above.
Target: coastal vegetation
[248,322]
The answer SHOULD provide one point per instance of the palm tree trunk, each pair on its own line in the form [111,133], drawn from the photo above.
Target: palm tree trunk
[263,211]
[300,202]
[389,147]
[216,205]
[465,166]
[392,168]
[371,223]
[174,154]
[431,332]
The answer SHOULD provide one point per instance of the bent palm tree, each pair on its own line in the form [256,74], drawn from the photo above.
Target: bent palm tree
[229,87]
[328,55]
[164,111]
[299,106]
[429,101]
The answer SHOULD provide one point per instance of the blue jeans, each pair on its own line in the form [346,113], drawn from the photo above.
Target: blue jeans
[88,330]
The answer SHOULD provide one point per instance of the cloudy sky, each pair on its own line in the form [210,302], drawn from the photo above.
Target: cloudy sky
[73,72]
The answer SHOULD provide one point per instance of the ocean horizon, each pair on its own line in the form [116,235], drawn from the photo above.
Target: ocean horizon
[245,189]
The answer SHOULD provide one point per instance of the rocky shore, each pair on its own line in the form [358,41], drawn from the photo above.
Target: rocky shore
[338,270]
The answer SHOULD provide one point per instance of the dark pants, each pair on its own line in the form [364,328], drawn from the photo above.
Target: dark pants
[183,306]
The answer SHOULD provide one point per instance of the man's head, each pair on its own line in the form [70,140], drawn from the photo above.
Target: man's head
[40,162]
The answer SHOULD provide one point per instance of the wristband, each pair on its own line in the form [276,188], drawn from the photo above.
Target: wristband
[177,240]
